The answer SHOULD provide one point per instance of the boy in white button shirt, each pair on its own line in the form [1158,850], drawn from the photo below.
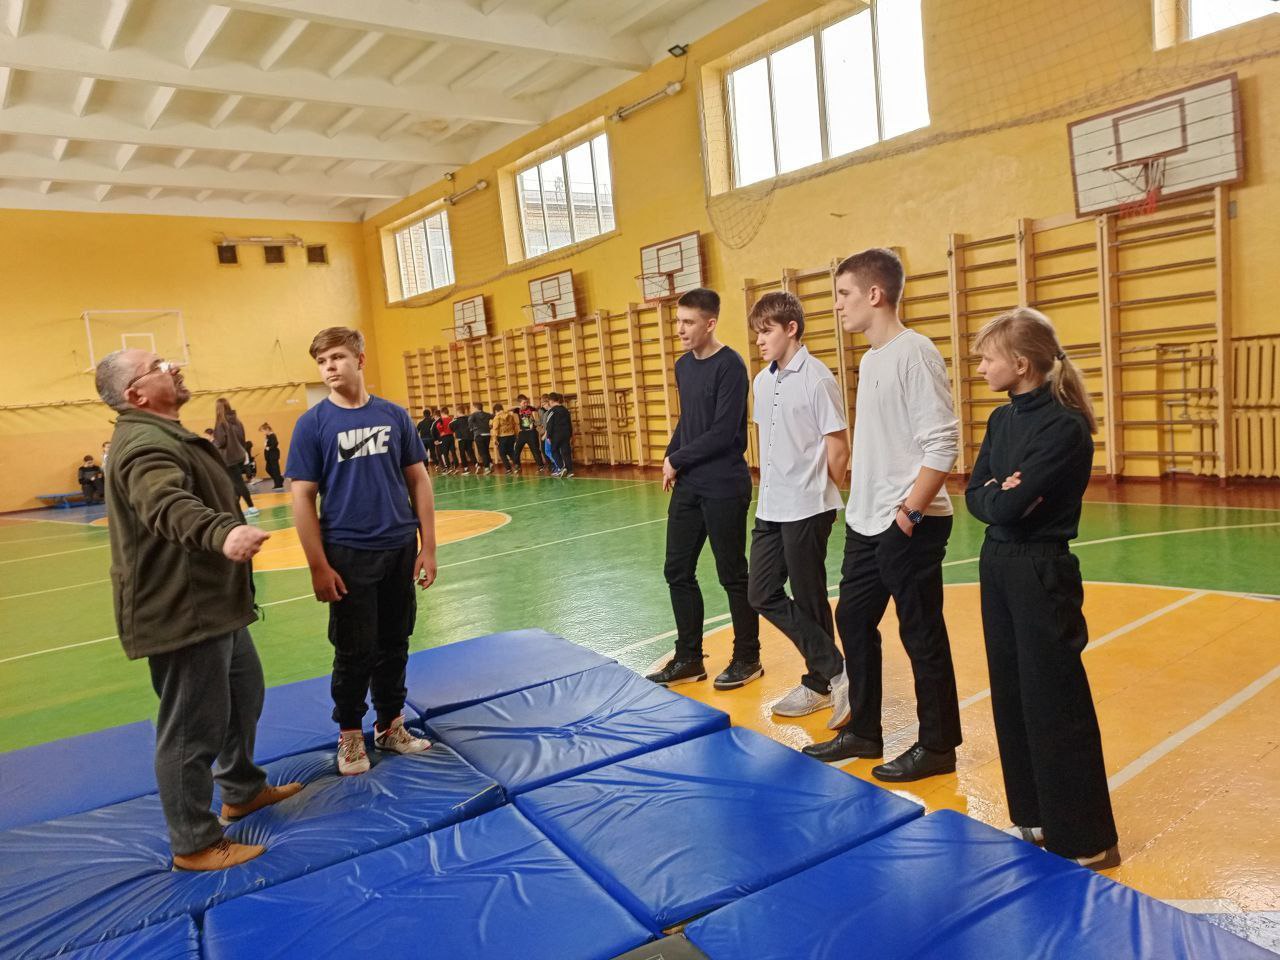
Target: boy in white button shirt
[804,448]
[905,441]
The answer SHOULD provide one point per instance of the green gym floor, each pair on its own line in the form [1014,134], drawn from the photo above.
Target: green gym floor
[1183,597]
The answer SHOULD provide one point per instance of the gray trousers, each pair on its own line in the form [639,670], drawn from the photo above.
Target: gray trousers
[210,699]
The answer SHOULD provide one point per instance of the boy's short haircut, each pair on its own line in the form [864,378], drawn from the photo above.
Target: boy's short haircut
[477,405]
[521,396]
[779,307]
[331,337]
[498,408]
[876,267]
[554,397]
[88,459]
[706,302]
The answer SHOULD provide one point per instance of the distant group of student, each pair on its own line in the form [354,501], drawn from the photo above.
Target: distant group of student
[1027,486]
[461,443]
[174,502]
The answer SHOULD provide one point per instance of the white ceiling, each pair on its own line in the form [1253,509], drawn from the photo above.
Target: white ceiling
[302,109]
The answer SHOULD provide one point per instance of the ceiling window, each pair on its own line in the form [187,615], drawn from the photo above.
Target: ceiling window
[1210,16]
[566,198]
[425,255]
[847,86]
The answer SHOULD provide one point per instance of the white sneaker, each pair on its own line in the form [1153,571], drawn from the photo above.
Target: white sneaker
[1030,834]
[801,702]
[397,739]
[840,709]
[252,512]
[352,758]
[1104,860]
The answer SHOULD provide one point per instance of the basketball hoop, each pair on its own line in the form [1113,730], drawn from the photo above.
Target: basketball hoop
[539,313]
[1145,177]
[656,287]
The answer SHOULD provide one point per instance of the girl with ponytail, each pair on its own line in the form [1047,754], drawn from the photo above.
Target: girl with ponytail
[1027,486]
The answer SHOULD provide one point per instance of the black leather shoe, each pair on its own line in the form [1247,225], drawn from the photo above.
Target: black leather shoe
[844,746]
[679,671]
[916,764]
[738,674]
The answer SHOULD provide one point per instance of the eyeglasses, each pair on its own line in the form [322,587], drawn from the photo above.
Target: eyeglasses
[160,366]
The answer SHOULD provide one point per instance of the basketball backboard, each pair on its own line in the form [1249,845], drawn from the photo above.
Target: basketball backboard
[1183,141]
[552,299]
[670,267]
[469,319]
[157,331]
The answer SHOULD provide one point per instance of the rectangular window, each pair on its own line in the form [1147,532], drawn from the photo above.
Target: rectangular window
[1210,16]
[566,198]
[839,89]
[424,254]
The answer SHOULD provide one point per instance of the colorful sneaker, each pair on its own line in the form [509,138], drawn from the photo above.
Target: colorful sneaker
[801,702]
[352,758]
[252,512]
[396,739]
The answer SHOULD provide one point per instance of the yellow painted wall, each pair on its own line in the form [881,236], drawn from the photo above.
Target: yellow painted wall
[1004,80]
[248,325]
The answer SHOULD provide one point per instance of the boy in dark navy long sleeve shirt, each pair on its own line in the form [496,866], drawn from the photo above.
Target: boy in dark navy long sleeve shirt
[711,487]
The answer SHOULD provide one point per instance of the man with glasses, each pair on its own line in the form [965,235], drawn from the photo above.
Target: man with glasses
[180,552]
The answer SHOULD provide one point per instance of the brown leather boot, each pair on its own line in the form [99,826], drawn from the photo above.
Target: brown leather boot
[231,812]
[218,856]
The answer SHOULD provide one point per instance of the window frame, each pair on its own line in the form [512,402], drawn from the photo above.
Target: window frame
[536,164]
[815,32]
[404,253]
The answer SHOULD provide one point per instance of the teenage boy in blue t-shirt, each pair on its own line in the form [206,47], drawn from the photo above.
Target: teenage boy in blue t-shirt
[375,540]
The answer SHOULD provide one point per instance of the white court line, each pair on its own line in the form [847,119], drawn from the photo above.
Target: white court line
[69,646]
[60,553]
[578,496]
[1168,745]
[70,586]
[61,536]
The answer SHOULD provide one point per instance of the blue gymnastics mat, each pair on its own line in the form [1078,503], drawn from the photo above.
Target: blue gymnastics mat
[174,940]
[683,830]
[469,671]
[947,887]
[546,733]
[82,773]
[107,872]
[492,887]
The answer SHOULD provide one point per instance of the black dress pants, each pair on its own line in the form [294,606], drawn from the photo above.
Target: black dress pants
[466,452]
[692,519]
[1046,726]
[507,450]
[796,550]
[908,569]
[482,450]
[369,629]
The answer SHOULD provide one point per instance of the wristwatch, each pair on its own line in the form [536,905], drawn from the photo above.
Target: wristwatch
[915,516]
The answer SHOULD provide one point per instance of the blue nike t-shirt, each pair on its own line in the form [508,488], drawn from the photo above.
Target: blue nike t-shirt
[358,459]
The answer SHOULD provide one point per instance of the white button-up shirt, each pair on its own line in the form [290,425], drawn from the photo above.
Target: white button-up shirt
[795,407]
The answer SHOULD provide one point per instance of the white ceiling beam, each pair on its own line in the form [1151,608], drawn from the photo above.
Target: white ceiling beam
[60,147]
[206,31]
[400,126]
[224,110]
[476,70]
[102,191]
[124,153]
[489,6]
[449,131]
[180,203]
[6,81]
[16,20]
[45,186]
[154,192]
[84,92]
[15,166]
[238,161]
[281,44]
[251,196]
[117,12]
[203,195]
[529,79]
[64,54]
[637,13]
[287,114]
[417,63]
[353,54]
[101,127]
[160,101]
[344,121]
[290,164]
[519,31]
[561,12]
[183,158]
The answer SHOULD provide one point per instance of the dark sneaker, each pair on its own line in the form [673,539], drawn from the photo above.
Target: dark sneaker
[738,674]
[677,672]
[916,764]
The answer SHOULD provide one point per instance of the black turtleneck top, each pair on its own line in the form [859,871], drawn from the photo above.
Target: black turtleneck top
[1052,447]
